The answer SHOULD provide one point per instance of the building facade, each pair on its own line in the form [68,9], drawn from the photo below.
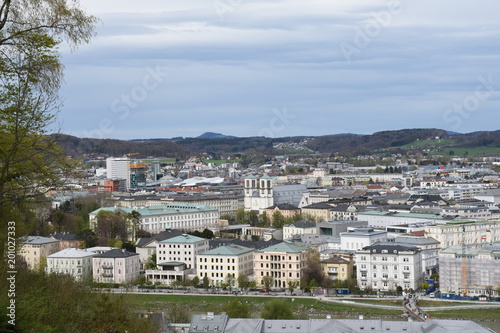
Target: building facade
[470,270]
[115,266]
[284,262]
[71,261]
[183,248]
[468,232]
[224,264]
[385,266]
[360,238]
[156,219]
[35,249]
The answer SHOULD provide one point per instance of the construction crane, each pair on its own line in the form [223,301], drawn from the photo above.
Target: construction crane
[464,263]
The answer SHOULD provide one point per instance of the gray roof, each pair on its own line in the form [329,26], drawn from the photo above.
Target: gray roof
[38,240]
[116,253]
[302,224]
[330,326]
[72,253]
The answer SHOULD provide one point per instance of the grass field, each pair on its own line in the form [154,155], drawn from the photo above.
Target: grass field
[461,152]
[304,307]
[428,143]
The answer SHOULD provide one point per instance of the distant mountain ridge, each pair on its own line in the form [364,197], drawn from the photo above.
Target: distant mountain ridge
[212,135]
[399,141]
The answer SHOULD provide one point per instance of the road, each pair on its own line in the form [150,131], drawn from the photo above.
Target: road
[467,304]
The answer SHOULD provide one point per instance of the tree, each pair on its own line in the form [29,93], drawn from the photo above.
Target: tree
[88,237]
[31,163]
[206,282]
[313,270]
[237,309]
[292,285]
[267,282]
[278,220]
[243,281]
[195,282]
[151,263]
[111,225]
[178,313]
[277,309]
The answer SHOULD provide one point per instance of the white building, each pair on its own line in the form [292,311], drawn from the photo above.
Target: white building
[71,261]
[115,266]
[382,219]
[429,251]
[156,219]
[468,232]
[385,266]
[118,168]
[298,228]
[183,248]
[361,237]
[225,264]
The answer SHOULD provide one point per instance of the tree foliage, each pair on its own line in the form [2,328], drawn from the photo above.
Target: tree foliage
[31,163]
[237,309]
[56,303]
[277,309]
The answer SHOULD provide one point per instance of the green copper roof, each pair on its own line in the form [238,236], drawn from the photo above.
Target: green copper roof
[228,250]
[184,238]
[286,247]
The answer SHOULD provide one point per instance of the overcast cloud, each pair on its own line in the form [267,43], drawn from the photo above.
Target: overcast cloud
[161,69]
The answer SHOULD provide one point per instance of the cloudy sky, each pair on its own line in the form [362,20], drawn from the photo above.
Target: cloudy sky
[165,68]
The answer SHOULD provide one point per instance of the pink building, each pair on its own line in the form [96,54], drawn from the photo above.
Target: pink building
[116,266]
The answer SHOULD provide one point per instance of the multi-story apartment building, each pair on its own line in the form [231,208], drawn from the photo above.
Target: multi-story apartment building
[35,249]
[471,270]
[224,264]
[155,219]
[284,262]
[71,261]
[115,266]
[338,268]
[429,249]
[225,204]
[468,210]
[146,247]
[183,248]
[470,232]
[385,266]
[361,237]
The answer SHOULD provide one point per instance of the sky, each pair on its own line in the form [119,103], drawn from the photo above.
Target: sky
[277,68]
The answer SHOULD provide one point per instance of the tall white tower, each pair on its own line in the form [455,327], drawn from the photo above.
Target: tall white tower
[258,193]
[118,168]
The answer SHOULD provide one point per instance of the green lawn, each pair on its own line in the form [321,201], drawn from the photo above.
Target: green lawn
[461,152]
[302,307]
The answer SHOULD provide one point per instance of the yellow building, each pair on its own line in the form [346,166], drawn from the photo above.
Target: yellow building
[35,249]
[338,268]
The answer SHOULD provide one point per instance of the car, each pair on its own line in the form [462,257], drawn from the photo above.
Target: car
[263,291]
[432,295]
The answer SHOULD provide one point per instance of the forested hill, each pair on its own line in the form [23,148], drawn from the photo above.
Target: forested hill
[346,144]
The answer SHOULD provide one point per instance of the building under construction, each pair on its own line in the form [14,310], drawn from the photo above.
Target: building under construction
[470,270]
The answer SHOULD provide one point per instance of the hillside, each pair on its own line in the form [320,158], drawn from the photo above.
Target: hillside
[401,141]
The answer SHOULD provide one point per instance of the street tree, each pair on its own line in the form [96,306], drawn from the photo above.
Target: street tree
[267,282]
